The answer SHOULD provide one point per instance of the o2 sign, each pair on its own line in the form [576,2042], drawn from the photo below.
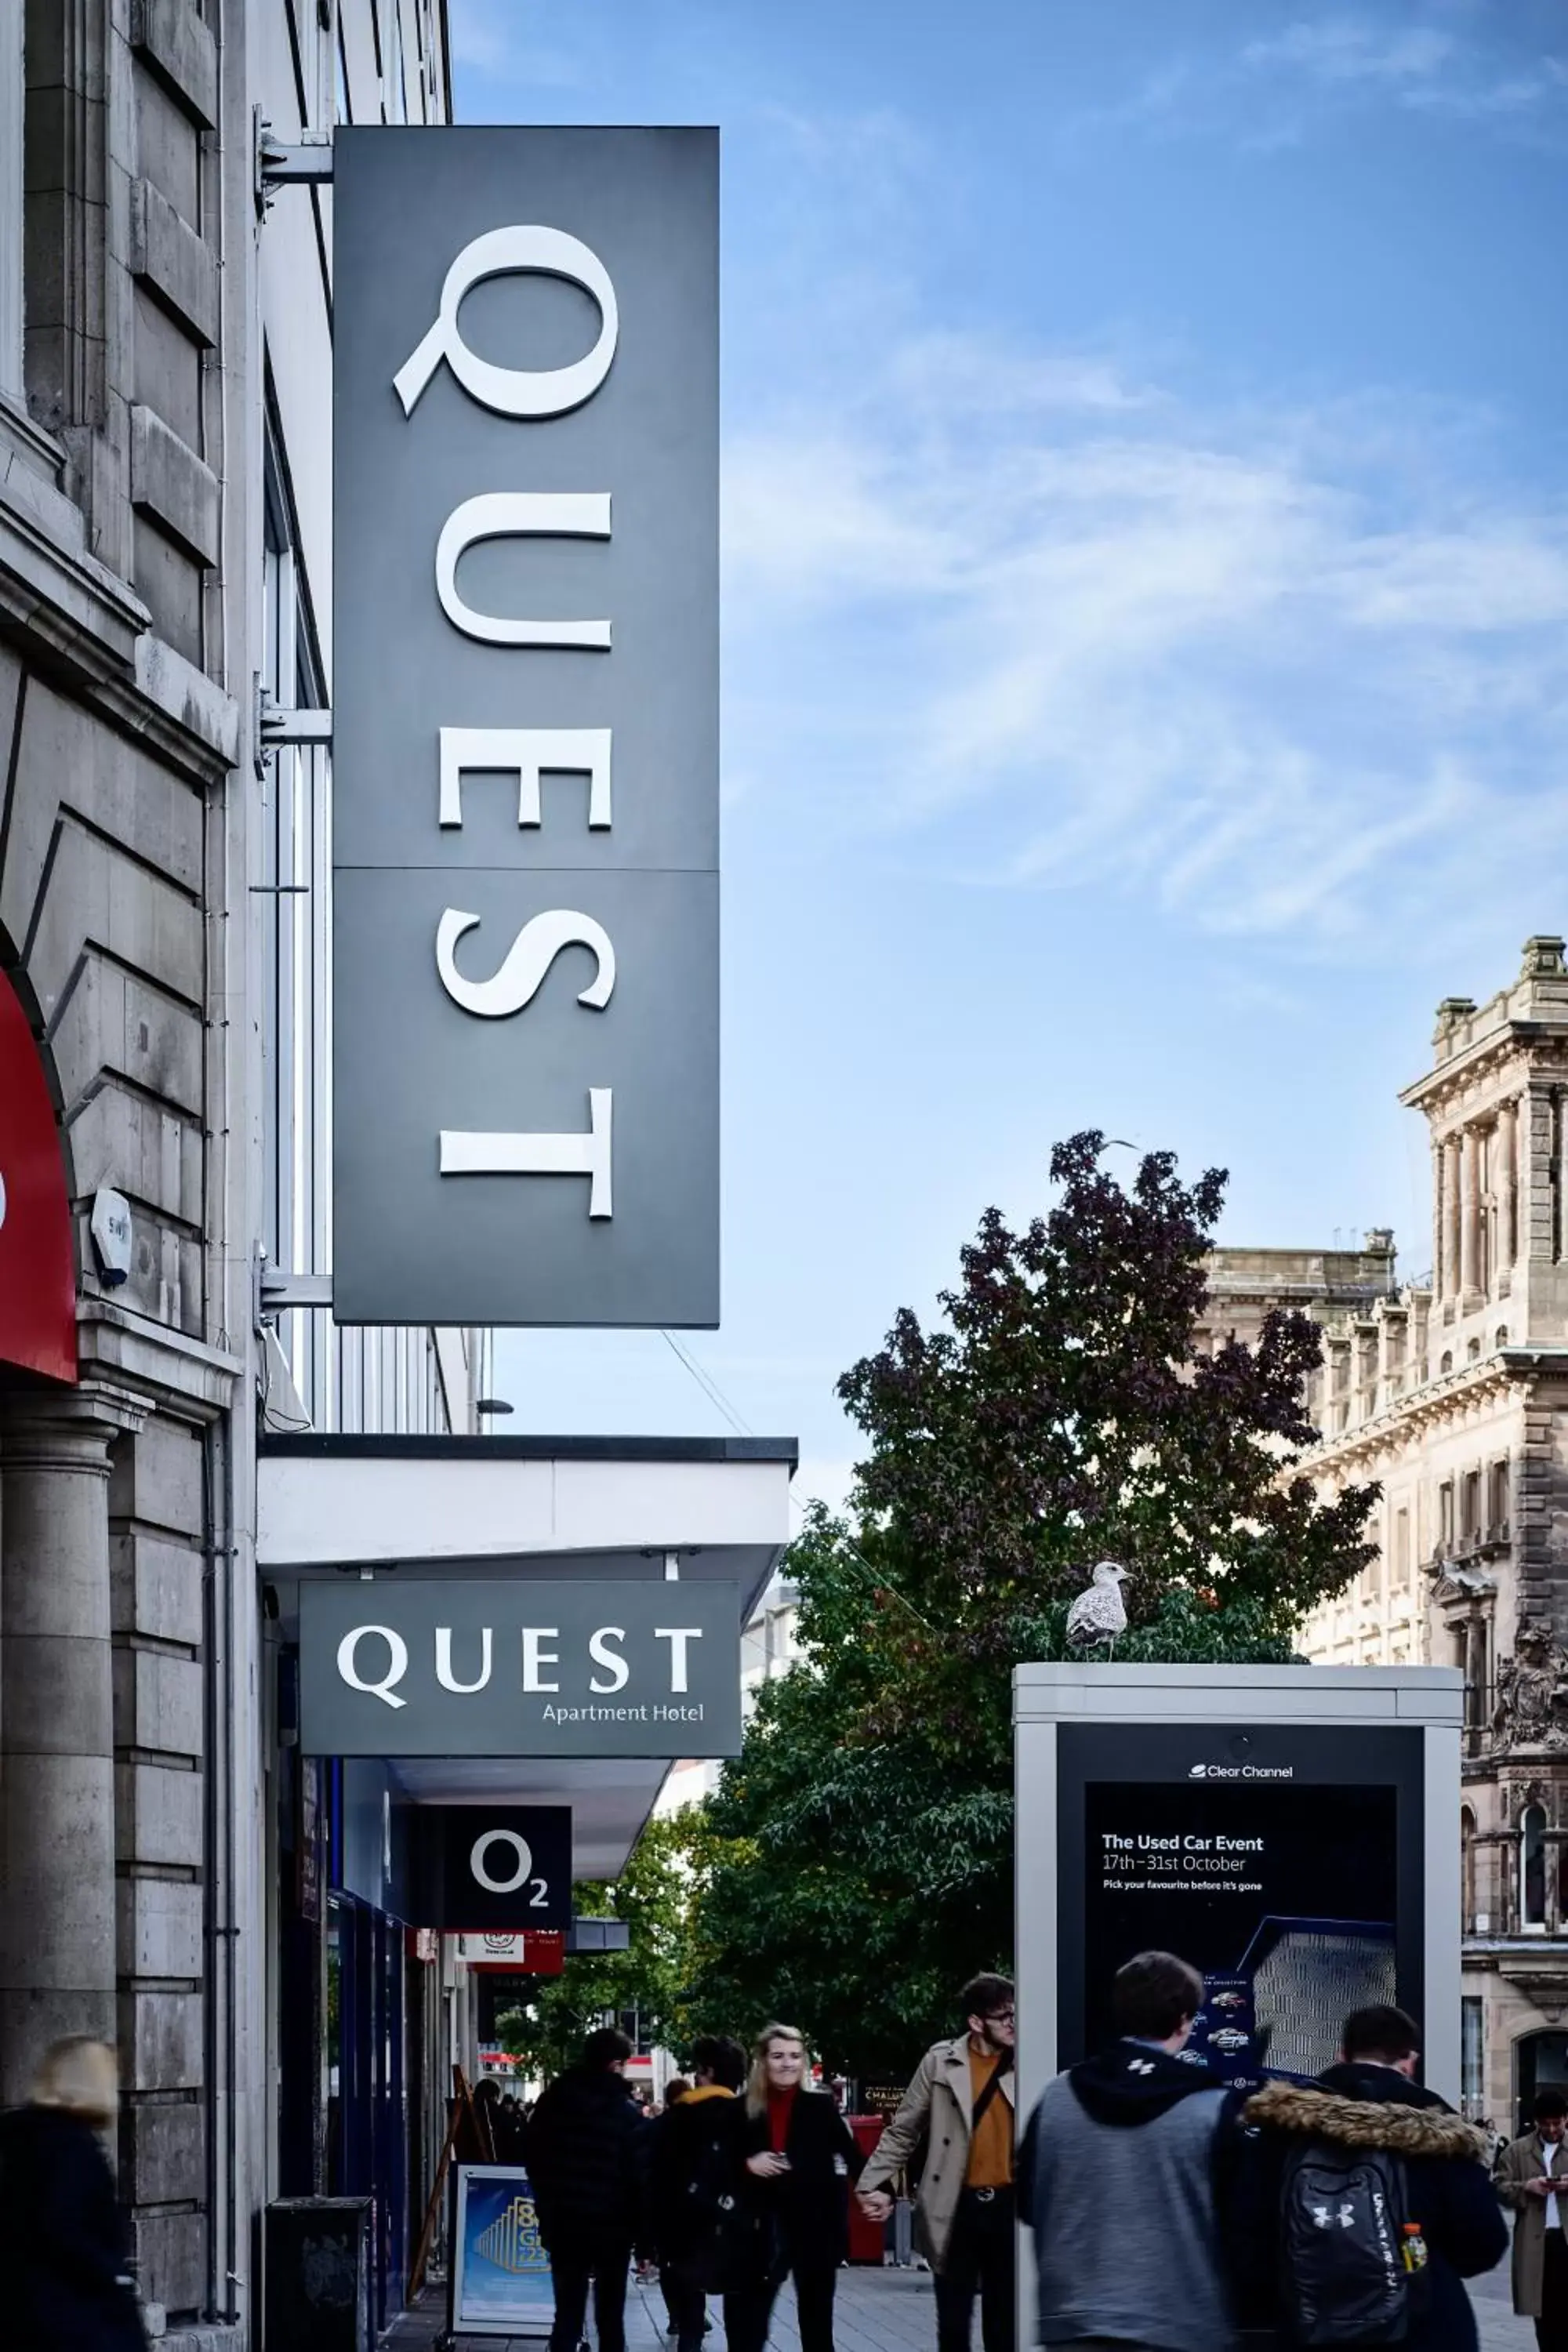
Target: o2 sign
[495,1870]
[525,725]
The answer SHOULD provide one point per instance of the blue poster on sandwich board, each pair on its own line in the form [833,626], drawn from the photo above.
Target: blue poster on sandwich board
[500,2271]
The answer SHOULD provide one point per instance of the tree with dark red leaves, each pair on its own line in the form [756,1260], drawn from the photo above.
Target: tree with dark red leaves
[1057,1415]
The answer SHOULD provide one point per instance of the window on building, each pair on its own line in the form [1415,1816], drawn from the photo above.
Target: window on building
[635,2027]
[1532,1869]
[1446,1514]
[1471,1505]
[1467,1870]
[1402,1550]
[1477,1685]
[1472,2056]
[369,1379]
[1498,1511]
[13,76]
[396,101]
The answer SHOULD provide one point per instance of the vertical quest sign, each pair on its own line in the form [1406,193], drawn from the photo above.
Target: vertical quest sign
[525,727]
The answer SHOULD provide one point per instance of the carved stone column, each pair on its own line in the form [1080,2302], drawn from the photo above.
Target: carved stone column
[1469,1216]
[1507,1185]
[56,1722]
[1451,1154]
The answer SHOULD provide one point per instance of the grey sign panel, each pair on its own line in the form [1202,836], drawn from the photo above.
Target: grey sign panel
[458,1666]
[652,1046]
[525,725]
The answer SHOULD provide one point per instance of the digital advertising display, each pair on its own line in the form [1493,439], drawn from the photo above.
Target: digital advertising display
[1282,1863]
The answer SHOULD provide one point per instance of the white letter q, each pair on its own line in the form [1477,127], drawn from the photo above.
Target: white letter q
[515,392]
[396,1664]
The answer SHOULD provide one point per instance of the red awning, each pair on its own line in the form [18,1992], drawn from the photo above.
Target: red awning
[38,1270]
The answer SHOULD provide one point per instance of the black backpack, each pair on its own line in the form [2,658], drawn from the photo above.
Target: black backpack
[1342,2216]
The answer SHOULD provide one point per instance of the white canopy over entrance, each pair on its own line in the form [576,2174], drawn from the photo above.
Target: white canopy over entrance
[527,1508]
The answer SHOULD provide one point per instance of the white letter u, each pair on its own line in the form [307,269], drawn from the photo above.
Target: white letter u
[443,1673]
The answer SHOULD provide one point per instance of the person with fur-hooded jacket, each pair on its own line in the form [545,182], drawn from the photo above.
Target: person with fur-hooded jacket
[1370,2100]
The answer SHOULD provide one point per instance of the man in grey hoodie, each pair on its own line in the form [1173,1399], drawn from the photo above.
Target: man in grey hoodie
[1117,2179]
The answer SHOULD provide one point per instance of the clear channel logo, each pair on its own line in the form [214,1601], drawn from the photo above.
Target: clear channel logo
[1241,1772]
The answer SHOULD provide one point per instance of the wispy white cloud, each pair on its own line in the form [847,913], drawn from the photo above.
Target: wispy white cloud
[1246,669]
[1270,93]
[1354,49]
[1422,66]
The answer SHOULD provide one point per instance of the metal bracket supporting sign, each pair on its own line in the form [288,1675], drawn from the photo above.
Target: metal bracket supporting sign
[280,726]
[273,727]
[277,1289]
[279,165]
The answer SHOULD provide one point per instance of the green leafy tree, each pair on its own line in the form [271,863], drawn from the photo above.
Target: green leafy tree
[653,1896]
[1060,1414]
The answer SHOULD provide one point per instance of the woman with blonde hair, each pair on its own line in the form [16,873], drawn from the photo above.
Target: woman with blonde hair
[62,2246]
[795,2159]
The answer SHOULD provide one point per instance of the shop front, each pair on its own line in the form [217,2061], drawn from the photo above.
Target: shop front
[464,1627]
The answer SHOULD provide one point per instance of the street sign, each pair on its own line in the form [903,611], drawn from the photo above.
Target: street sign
[492,1666]
[525,727]
[496,1868]
[535,1952]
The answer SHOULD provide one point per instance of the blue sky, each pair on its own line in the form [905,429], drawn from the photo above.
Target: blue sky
[1146,571]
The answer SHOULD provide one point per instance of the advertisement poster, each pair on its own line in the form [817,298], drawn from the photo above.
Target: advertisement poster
[501,2272]
[1283,1865]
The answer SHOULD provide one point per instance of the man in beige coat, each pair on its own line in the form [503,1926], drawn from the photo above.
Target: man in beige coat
[1525,2174]
[960,2104]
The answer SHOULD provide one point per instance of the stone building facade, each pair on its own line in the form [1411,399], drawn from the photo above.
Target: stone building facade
[164,428]
[1452,1393]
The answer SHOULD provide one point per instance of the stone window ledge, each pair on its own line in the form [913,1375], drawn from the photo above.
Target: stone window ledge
[81,621]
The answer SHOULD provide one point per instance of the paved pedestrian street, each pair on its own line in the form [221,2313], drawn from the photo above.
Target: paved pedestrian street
[1500,2331]
[876,2311]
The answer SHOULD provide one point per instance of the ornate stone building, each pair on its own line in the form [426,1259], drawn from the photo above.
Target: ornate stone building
[165,413]
[1453,1394]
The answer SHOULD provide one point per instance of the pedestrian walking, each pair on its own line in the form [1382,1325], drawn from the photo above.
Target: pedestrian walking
[953,2137]
[1377,2199]
[511,2130]
[1527,2174]
[584,2156]
[792,2156]
[63,2245]
[675,2090]
[691,2161]
[1116,2179]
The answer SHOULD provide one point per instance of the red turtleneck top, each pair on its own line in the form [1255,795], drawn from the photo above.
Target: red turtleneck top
[780,2108]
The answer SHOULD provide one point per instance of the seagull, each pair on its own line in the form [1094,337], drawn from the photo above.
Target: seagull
[1099,1613]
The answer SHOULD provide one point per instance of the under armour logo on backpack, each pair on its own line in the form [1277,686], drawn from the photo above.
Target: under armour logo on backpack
[1140,2065]
[1324,2220]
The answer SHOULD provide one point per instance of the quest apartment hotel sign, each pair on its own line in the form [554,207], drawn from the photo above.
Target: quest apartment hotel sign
[525,727]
